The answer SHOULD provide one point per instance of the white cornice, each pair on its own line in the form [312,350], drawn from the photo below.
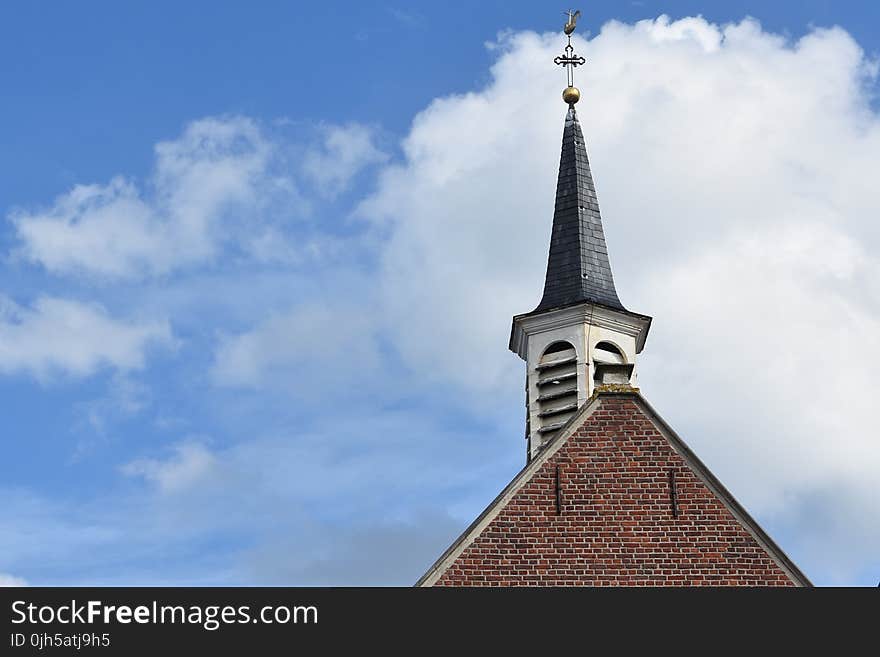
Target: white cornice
[586,313]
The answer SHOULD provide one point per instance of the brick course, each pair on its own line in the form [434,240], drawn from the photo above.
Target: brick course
[616,524]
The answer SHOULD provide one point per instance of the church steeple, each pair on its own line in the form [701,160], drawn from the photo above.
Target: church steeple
[578,270]
[580,337]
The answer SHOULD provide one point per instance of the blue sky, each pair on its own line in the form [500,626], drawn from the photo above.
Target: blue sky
[260,262]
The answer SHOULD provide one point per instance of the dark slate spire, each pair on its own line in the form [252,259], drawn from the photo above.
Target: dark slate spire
[578,270]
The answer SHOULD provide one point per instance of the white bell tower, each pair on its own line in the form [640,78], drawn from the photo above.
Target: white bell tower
[580,336]
[569,351]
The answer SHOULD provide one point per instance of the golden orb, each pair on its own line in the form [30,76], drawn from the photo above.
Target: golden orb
[571,95]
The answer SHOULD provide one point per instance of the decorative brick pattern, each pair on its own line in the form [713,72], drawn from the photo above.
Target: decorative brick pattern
[618,524]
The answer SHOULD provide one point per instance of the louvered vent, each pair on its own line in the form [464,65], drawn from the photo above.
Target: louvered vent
[557,388]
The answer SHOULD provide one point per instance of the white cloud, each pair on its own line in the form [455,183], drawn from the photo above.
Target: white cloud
[769,367]
[190,464]
[736,172]
[207,184]
[73,338]
[125,398]
[9,580]
[344,152]
[98,419]
[306,349]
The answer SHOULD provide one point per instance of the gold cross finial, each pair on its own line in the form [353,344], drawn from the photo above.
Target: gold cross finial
[570,60]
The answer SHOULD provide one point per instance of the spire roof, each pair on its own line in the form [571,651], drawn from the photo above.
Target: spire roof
[578,270]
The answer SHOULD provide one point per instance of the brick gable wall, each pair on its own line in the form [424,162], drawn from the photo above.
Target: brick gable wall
[616,526]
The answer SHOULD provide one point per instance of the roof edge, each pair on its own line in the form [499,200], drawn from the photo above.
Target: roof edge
[516,341]
[541,311]
[520,478]
[739,512]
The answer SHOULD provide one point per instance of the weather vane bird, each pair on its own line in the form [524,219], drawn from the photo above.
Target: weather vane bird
[570,60]
[572,21]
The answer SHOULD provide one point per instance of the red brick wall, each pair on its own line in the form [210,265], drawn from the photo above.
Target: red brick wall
[616,526]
